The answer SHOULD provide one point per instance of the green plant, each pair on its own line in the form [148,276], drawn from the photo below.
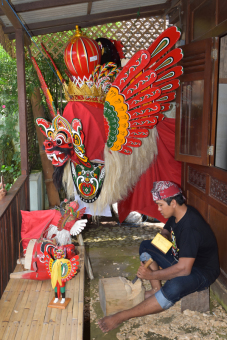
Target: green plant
[9,130]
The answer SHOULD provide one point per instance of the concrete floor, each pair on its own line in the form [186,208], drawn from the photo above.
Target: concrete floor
[113,251]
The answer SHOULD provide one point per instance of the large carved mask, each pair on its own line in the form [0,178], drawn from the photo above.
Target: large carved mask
[65,142]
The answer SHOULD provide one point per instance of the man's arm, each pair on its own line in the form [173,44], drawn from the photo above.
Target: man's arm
[182,268]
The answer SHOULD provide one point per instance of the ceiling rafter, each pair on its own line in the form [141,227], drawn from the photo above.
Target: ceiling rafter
[6,9]
[87,19]
[95,22]
[89,7]
[44,4]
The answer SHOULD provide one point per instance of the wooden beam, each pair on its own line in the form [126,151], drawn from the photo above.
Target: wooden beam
[43,4]
[7,10]
[84,24]
[21,84]
[86,20]
[89,7]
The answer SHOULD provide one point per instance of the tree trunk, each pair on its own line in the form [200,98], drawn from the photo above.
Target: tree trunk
[48,169]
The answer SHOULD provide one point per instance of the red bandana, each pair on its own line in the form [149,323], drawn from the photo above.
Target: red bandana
[164,189]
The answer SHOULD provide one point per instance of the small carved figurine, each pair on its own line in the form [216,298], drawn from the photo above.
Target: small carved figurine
[60,270]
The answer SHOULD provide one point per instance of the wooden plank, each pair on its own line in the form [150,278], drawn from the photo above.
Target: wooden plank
[50,330]
[76,297]
[49,310]
[42,4]
[63,325]
[44,331]
[19,305]
[27,324]
[53,315]
[36,327]
[33,292]
[33,331]
[9,303]
[81,276]
[42,302]
[68,326]
[80,321]
[20,331]
[7,331]
[5,7]
[13,328]
[57,325]
[3,327]
[24,299]
[74,329]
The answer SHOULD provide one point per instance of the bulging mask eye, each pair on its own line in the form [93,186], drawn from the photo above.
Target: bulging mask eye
[59,141]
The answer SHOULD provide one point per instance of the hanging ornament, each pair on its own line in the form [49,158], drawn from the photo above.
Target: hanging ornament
[82,55]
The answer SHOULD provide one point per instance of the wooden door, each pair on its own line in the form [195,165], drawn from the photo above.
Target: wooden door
[195,99]
[204,184]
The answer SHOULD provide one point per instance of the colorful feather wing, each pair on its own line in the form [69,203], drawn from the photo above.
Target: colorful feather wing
[48,263]
[45,89]
[142,92]
[71,267]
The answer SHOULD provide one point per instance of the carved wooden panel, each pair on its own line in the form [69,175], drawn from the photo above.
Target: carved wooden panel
[197,203]
[197,179]
[217,221]
[218,190]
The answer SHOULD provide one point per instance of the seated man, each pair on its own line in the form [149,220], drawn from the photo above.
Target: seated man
[190,265]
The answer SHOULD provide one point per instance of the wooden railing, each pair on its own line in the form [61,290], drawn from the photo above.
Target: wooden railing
[17,199]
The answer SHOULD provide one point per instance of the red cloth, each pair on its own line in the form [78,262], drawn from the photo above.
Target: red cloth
[34,223]
[164,168]
[165,189]
[92,121]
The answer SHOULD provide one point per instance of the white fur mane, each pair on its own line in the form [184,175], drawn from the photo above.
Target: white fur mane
[122,172]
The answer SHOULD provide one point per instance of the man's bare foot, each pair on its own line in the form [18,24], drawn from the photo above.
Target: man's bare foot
[151,292]
[110,322]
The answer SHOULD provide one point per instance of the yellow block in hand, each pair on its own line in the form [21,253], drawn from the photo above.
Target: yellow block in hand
[161,243]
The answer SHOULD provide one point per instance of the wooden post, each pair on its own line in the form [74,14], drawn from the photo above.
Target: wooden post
[86,258]
[48,169]
[21,83]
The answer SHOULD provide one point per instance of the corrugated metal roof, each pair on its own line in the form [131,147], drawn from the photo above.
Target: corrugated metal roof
[49,14]
[110,5]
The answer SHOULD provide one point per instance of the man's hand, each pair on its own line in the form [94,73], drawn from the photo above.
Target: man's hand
[144,273]
[78,227]
[165,233]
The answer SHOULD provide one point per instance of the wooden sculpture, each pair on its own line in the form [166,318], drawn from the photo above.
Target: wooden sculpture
[60,270]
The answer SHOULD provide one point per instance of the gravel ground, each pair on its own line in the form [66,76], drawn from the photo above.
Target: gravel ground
[171,324]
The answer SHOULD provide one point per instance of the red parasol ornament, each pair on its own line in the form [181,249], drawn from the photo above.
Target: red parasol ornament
[82,55]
